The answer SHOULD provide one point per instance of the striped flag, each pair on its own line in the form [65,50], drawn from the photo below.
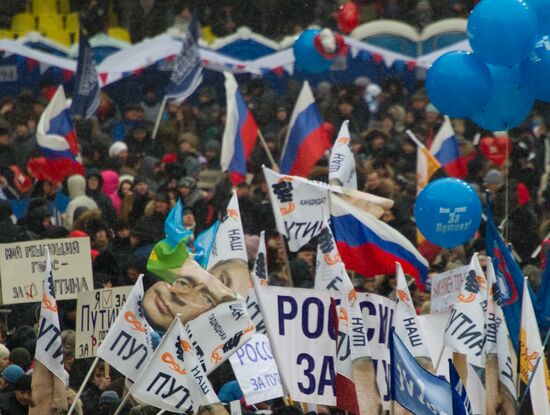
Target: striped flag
[306,140]
[447,152]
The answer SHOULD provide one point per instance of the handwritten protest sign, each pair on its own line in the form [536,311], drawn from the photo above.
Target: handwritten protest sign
[445,288]
[96,312]
[256,370]
[22,266]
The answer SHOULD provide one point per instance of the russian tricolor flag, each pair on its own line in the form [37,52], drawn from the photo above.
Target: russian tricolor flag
[306,140]
[369,246]
[57,140]
[241,132]
[446,150]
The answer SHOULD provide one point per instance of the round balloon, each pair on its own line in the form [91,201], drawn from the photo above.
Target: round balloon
[542,12]
[502,32]
[348,16]
[448,212]
[459,84]
[534,70]
[308,58]
[510,102]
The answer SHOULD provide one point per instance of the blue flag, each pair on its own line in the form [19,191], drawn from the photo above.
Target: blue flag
[508,274]
[461,402]
[203,244]
[542,301]
[86,90]
[173,225]
[186,75]
[416,389]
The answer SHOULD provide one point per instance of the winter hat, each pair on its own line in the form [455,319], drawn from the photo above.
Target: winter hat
[116,148]
[23,383]
[108,398]
[12,373]
[493,176]
[21,357]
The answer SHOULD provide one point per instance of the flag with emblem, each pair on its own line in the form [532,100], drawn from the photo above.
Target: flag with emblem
[127,346]
[175,380]
[498,339]
[331,276]
[86,89]
[342,170]
[49,349]
[465,330]
[407,326]
[531,350]
[229,243]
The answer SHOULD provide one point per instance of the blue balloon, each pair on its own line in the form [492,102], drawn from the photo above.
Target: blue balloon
[535,70]
[502,32]
[510,103]
[542,12]
[448,212]
[308,58]
[459,84]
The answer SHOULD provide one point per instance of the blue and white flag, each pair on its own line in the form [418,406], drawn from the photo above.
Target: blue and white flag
[416,389]
[461,402]
[186,75]
[86,91]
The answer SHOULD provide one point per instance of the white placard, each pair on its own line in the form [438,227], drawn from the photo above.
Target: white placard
[96,312]
[256,370]
[22,266]
[304,345]
[445,288]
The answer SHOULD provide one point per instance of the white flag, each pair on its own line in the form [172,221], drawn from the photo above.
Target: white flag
[49,349]
[300,207]
[530,351]
[498,341]
[342,170]
[173,379]
[331,275]
[229,242]
[228,259]
[218,333]
[465,331]
[260,272]
[127,346]
[407,326]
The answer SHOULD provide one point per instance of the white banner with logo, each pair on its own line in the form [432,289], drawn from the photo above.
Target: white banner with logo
[96,312]
[303,341]
[218,333]
[256,370]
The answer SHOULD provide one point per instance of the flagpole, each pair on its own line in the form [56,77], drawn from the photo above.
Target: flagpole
[161,411]
[84,383]
[538,249]
[159,116]
[439,359]
[524,396]
[274,165]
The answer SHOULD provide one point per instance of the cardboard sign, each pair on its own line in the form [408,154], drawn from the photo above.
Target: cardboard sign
[96,312]
[445,288]
[256,370]
[22,266]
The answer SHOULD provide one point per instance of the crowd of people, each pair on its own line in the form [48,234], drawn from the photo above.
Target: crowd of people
[132,182]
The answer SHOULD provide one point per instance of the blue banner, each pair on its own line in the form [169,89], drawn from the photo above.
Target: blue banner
[86,89]
[416,389]
[461,402]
